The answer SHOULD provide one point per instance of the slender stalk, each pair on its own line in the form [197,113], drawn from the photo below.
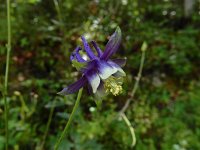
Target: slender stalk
[124,108]
[61,25]
[6,73]
[70,119]
[60,19]
[6,120]
[47,127]
[136,84]
[130,128]
[58,11]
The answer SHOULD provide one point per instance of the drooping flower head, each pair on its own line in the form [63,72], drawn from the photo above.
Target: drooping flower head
[100,72]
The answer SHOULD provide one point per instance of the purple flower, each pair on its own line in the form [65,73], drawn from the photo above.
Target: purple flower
[101,73]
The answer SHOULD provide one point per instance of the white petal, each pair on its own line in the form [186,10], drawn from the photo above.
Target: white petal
[94,80]
[101,92]
[105,70]
[120,71]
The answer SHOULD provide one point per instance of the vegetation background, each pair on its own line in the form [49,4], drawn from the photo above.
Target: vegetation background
[165,111]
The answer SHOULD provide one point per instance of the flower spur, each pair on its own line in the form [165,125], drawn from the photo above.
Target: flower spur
[101,73]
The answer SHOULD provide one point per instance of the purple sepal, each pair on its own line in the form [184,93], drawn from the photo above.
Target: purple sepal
[74,87]
[120,61]
[112,45]
[76,55]
[88,49]
[99,52]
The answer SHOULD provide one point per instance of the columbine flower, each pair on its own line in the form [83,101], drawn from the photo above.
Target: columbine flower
[101,73]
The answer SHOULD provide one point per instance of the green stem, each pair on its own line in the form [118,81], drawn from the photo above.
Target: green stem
[6,121]
[6,73]
[130,128]
[136,84]
[70,119]
[58,12]
[60,18]
[124,108]
[47,128]
[61,25]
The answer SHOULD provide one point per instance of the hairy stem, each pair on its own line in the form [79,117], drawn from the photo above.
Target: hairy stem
[70,119]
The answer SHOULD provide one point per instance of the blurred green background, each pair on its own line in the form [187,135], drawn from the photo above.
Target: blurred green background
[165,111]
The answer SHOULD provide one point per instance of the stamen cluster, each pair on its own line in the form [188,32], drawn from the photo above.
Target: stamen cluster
[113,85]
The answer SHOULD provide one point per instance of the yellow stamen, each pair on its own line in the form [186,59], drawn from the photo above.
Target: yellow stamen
[113,85]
